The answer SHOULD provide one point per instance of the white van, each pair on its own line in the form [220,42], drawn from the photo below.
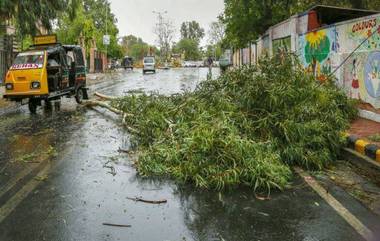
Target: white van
[149,64]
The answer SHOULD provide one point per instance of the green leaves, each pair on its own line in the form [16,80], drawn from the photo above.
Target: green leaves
[245,128]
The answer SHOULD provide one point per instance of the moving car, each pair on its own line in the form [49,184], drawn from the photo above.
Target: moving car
[127,63]
[149,64]
[47,71]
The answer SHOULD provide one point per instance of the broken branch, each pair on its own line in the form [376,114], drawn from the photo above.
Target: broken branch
[92,103]
[106,97]
[117,225]
[137,199]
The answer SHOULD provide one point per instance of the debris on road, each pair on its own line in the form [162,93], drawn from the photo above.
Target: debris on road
[41,178]
[139,199]
[262,198]
[246,127]
[117,225]
[112,169]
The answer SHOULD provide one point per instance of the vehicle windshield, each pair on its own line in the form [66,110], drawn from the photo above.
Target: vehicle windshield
[29,60]
[149,60]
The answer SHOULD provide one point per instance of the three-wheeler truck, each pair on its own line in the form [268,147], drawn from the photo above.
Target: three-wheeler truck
[47,71]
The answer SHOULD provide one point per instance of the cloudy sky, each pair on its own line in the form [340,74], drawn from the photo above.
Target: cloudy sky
[136,17]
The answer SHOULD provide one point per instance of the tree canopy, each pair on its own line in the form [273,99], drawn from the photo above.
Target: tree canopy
[192,30]
[135,47]
[93,19]
[188,47]
[29,15]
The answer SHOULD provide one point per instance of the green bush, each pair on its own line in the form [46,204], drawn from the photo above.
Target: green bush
[245,128]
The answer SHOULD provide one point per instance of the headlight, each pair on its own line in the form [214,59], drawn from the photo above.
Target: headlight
[35,85]
[9,86]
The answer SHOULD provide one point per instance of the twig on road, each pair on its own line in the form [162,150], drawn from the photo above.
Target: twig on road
[92,103]
[139,199]
[118,225]
[105,97]
[125,151]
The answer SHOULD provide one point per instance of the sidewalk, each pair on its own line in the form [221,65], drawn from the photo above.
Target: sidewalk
[364,138]
[366,130]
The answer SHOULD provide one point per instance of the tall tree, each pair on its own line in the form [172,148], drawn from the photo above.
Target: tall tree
[188,47]
[164,31]
[93,20]
[216,32]
[192,30]
[135,47]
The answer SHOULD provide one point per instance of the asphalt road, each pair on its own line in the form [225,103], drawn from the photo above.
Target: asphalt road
[62,177]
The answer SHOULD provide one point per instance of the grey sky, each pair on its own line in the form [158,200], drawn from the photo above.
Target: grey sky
[136,17]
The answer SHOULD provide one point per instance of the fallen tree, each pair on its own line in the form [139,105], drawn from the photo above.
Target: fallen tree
[247,127]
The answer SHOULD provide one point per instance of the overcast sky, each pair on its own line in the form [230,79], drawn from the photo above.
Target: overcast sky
[136,17]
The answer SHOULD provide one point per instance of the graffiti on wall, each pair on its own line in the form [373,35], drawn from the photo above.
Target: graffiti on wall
[281,45]
[317,51]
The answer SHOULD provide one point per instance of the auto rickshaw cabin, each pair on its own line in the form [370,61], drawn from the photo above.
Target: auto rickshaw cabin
[47,71]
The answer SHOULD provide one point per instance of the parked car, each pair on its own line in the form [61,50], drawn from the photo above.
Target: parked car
[189,64]
[127,63]
[149,64]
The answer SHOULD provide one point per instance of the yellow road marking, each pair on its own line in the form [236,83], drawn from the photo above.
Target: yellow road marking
[16,199]
[15,180]
[337,206]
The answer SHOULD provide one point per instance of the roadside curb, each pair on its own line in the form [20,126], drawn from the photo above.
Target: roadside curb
[364,148]
[360,160]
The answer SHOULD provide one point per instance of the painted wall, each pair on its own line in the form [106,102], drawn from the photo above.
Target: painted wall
[327,52]
[361,72]
[323,51]
[319,52]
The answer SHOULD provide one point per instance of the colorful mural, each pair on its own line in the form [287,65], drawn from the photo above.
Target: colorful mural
[362,70]
[329,50]
[358,32]
[316,50]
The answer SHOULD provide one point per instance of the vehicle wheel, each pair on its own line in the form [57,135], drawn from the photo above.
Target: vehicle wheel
[143,71]
[154,71]
[32,106]
[79,95]
[85,94]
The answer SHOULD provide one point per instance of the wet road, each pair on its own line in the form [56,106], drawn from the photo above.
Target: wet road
[61,177]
